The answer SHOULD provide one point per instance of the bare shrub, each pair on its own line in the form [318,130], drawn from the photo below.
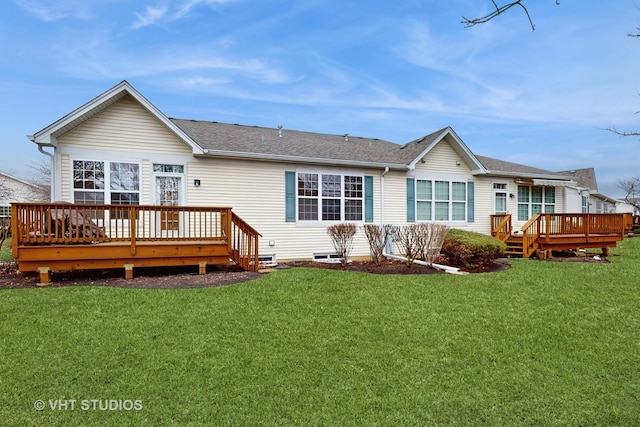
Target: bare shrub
[377,236]
[423,240]
[433,241]
[407,241]
[342,239]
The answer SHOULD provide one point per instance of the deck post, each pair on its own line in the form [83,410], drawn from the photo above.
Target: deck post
[128,271]
[45,276]
[202,267]
[132,229]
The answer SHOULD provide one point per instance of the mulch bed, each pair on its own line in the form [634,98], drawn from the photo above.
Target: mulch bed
[187,277]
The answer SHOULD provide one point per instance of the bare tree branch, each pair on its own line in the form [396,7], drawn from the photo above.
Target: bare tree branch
[499,10]
[631,187]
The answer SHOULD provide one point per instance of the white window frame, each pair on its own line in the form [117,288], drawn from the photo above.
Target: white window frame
[433,202]
[320,197]
[106,190]
[530,203]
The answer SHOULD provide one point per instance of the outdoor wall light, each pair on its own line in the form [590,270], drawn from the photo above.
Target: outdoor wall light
[511,195]
[196,182]
[272,242]
[457,163]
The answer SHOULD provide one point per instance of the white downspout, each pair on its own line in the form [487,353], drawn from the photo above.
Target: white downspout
[384,172]
[53,172]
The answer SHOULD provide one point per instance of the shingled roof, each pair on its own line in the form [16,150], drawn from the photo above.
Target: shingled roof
[501,167]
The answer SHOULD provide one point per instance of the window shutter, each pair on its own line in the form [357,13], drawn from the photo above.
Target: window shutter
[290,195]
[411,200]
[470,202]
[368,199]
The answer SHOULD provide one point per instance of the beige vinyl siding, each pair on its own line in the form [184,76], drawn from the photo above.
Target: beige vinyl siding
[395,195]
[443,159]
[256,192]
[483,205]
[126,127]
[65,179]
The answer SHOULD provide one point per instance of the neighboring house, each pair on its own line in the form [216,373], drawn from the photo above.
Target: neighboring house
[289,185]
[13,189]
[584,196]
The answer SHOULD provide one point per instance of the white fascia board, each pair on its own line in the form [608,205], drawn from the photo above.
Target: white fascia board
[459,147]
[530,176]
[46,136]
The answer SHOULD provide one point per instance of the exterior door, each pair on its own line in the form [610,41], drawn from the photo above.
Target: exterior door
[169,193]
[500,197]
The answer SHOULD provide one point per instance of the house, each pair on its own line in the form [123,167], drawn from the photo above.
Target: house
[290,185]
[14,189]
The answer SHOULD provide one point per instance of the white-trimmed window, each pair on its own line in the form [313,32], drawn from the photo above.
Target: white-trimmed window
[90,178]
[438,200]
[330,197]
[535,199]
[585,204]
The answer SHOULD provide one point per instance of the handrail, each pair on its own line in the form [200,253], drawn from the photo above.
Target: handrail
[530,233]
[501,226]
[243,244]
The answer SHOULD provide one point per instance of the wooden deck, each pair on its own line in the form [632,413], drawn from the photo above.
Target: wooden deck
[567,231]
[58,236]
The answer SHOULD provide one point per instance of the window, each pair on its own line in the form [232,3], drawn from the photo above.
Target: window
[535,199]
[5,211]
[89,178]
[585,204]
[441,200]
[330,197]
[161,168]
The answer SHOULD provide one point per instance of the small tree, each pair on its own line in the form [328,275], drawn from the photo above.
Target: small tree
[342,239]
[377,236]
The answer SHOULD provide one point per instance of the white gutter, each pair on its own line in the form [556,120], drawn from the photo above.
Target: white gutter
[240,155]
[445,268]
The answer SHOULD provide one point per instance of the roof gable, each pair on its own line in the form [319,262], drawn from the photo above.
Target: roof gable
[49,135]
[415,150]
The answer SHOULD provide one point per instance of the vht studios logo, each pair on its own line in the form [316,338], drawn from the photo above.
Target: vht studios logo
[88,405]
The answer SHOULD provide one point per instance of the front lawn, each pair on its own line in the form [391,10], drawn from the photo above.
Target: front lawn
[543,343]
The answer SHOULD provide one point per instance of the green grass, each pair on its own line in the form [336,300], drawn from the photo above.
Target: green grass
[5,251]
[542,343]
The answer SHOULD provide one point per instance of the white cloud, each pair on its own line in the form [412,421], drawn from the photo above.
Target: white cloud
[150,16]
[55,11]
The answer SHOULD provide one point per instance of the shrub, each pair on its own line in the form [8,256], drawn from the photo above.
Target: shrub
[377,236]
[471,249]
[342,239]
[420,240]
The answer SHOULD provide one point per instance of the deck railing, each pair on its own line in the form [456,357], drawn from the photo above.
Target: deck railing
[543,228]
[64,223]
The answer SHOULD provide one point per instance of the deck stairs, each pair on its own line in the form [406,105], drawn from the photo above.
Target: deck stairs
[514,246]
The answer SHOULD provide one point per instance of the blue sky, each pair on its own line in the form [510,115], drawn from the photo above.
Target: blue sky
[390,70]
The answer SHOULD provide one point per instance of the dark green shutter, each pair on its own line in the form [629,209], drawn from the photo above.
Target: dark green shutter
[411,200]
[368,199]
[290,195]
[470,202]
